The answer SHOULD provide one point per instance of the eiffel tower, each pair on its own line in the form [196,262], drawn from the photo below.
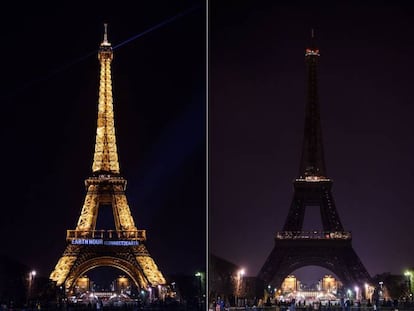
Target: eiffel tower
[123,248]
[331,248]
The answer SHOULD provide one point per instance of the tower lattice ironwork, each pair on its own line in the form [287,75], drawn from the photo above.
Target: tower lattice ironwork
[330,248]
[123,248]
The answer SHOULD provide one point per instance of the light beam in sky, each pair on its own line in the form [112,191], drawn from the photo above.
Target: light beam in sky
[95,51]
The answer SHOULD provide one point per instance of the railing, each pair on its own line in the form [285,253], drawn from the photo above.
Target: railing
[313,235]
[134,235]
[313,179]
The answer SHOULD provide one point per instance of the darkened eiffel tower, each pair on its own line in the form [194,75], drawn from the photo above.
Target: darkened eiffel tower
[331,248]
[123,248]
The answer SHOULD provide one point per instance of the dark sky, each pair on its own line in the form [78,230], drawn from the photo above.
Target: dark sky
[49,95]
[256,119]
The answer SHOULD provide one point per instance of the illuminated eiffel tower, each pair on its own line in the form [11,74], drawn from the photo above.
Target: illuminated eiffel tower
[124,247]
[330,248]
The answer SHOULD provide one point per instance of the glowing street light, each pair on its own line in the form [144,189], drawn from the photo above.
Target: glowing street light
[32,275]
[240,274]
[356,292]
[150,293]
[408,274]
[199,275]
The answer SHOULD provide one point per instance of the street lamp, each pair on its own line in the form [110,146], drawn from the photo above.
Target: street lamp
[356,292]
[240,274]
[150,293]
[200,298]
[408,274]
[32,275]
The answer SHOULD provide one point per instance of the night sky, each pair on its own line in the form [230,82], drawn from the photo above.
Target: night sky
[49,96]
[49,92]
[256,118]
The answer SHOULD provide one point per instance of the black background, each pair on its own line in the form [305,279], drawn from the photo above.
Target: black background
[49,95]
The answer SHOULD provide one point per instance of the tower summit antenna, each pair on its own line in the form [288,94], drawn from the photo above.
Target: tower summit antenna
[312,40]
[105,39]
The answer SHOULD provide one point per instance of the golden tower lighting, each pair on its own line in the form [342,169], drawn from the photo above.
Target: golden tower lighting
[123,248]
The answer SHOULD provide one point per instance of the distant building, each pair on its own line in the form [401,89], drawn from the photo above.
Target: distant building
[290,284]
[82,284]
[329,284]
